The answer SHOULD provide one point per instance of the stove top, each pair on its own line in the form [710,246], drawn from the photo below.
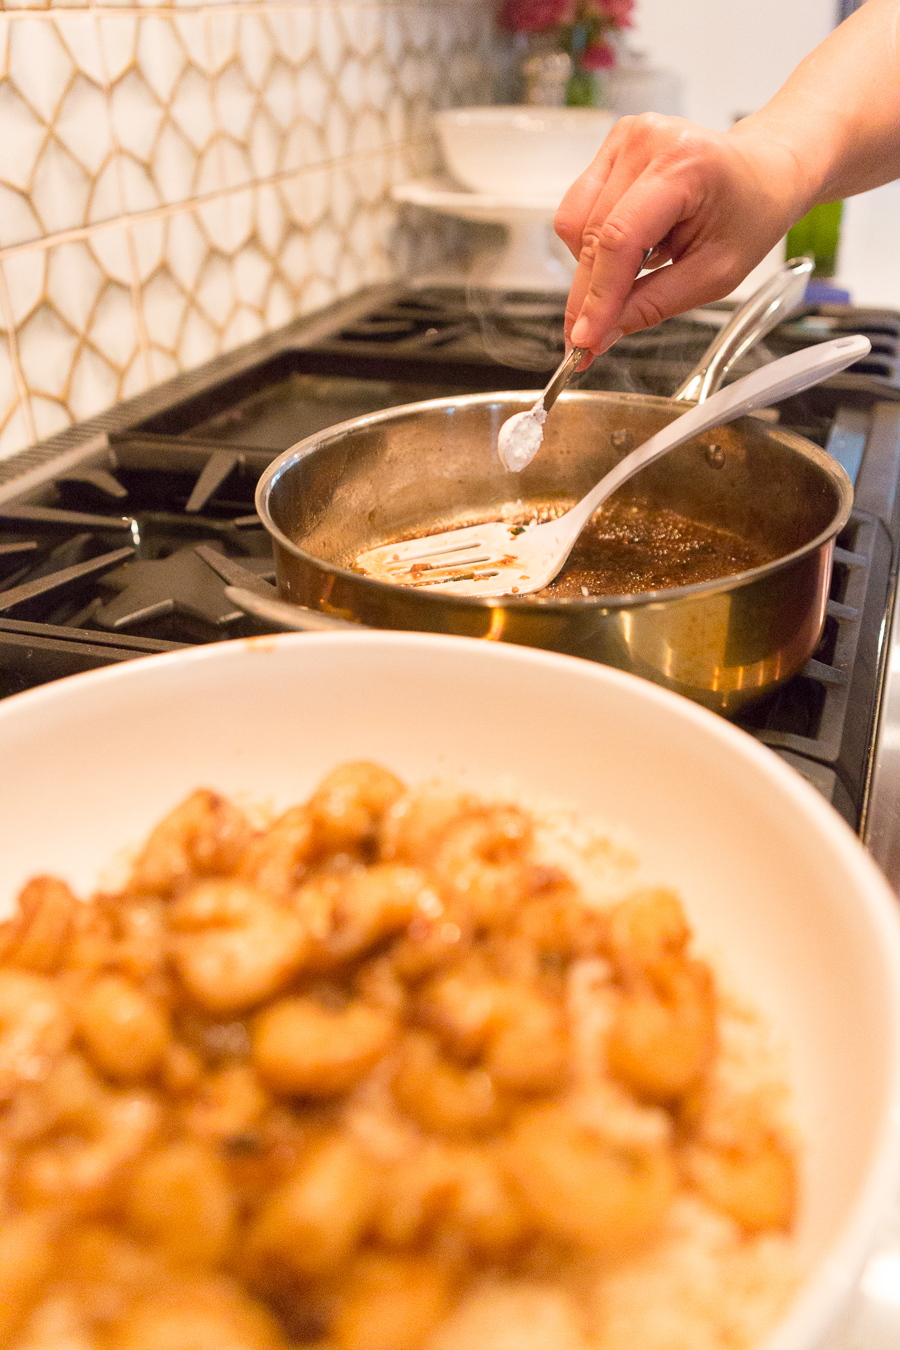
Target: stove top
[118,537]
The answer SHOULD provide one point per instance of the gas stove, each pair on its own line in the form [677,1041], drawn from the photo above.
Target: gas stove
[119,536]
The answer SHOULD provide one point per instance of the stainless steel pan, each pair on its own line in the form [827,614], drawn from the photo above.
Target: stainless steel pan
[430,466]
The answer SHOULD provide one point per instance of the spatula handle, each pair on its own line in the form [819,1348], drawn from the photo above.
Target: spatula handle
[770,384]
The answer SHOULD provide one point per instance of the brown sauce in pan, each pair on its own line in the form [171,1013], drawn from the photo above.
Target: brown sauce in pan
[634,546]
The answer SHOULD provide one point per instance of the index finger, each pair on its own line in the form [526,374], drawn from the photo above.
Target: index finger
[616,239]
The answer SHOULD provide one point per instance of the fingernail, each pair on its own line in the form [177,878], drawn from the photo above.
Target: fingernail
[612,336]
[580,333]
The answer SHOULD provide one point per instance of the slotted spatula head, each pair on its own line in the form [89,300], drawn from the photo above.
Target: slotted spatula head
[475,560]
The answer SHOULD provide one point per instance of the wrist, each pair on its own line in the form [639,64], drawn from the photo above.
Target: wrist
[790,178]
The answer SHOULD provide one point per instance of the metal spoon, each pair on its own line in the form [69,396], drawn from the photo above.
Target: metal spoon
[521,435]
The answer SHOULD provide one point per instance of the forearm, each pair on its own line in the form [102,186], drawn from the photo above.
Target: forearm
[838,116]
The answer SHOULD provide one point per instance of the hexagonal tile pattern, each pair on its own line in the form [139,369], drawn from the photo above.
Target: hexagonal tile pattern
[74,319]
[208,281]
[256,60]
[16,428]
[56,151]
[161,107]
[179,176]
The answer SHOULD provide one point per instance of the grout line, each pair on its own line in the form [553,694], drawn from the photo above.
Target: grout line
[6,310]
[131,218]
[137,306]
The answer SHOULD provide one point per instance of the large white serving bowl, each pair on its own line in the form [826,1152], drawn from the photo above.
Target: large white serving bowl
[775,883]
[519,151]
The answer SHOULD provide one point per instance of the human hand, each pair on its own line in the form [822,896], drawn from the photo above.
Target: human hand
[711,204]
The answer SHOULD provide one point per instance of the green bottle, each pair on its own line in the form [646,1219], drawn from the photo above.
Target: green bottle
[817,235]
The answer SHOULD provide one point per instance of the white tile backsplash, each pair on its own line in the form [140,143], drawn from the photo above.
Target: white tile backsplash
[177,178]
[73,315]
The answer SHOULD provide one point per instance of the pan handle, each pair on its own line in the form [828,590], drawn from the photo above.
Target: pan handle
[283,615]
[776,298]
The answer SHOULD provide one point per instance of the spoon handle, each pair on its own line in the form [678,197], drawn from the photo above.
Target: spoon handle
[570,363]
[561,376]
[776,298]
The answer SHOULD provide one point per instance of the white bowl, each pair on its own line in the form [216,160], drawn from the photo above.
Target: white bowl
[520,151]
[772,878]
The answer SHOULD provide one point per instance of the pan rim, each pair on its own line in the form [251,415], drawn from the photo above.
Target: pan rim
[309,445]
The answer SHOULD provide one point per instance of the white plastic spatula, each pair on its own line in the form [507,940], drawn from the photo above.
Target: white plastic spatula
[498,558]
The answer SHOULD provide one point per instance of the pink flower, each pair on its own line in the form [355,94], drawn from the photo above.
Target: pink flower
[619,12]
[598,56]
[535,16]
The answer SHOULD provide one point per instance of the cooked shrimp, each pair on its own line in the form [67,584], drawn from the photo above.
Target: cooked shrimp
[37,936]
[463,1007]
[26,1257]
[179,1198]
[99,1273]
[647,925]
[347,806]
[235,946]
[276,859]
[457,1190]
[391,1301]
[56,1321]
[124,1031]
[553,924]
[181,1069]
[529,1051]
[441,1096]
[414,824]
[317,1084]
[430,945]
[226,1103]
[312,1223]
[303,1049]
[204,836]
[480,861]
[584,1189]
[416,1192]
[97,1134]
[754,1182]
[139,936]
[35,1029]
[518,1031]
[663,1031]
[373,903]
[209,1314]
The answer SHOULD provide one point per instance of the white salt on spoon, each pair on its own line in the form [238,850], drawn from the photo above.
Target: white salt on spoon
[522,435]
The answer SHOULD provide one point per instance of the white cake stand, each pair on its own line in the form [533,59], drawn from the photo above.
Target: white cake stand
[527,262]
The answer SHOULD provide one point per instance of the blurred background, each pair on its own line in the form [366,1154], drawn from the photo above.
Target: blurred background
[731,56]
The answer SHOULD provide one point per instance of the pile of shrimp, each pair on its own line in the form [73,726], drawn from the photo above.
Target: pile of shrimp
[305,1085]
